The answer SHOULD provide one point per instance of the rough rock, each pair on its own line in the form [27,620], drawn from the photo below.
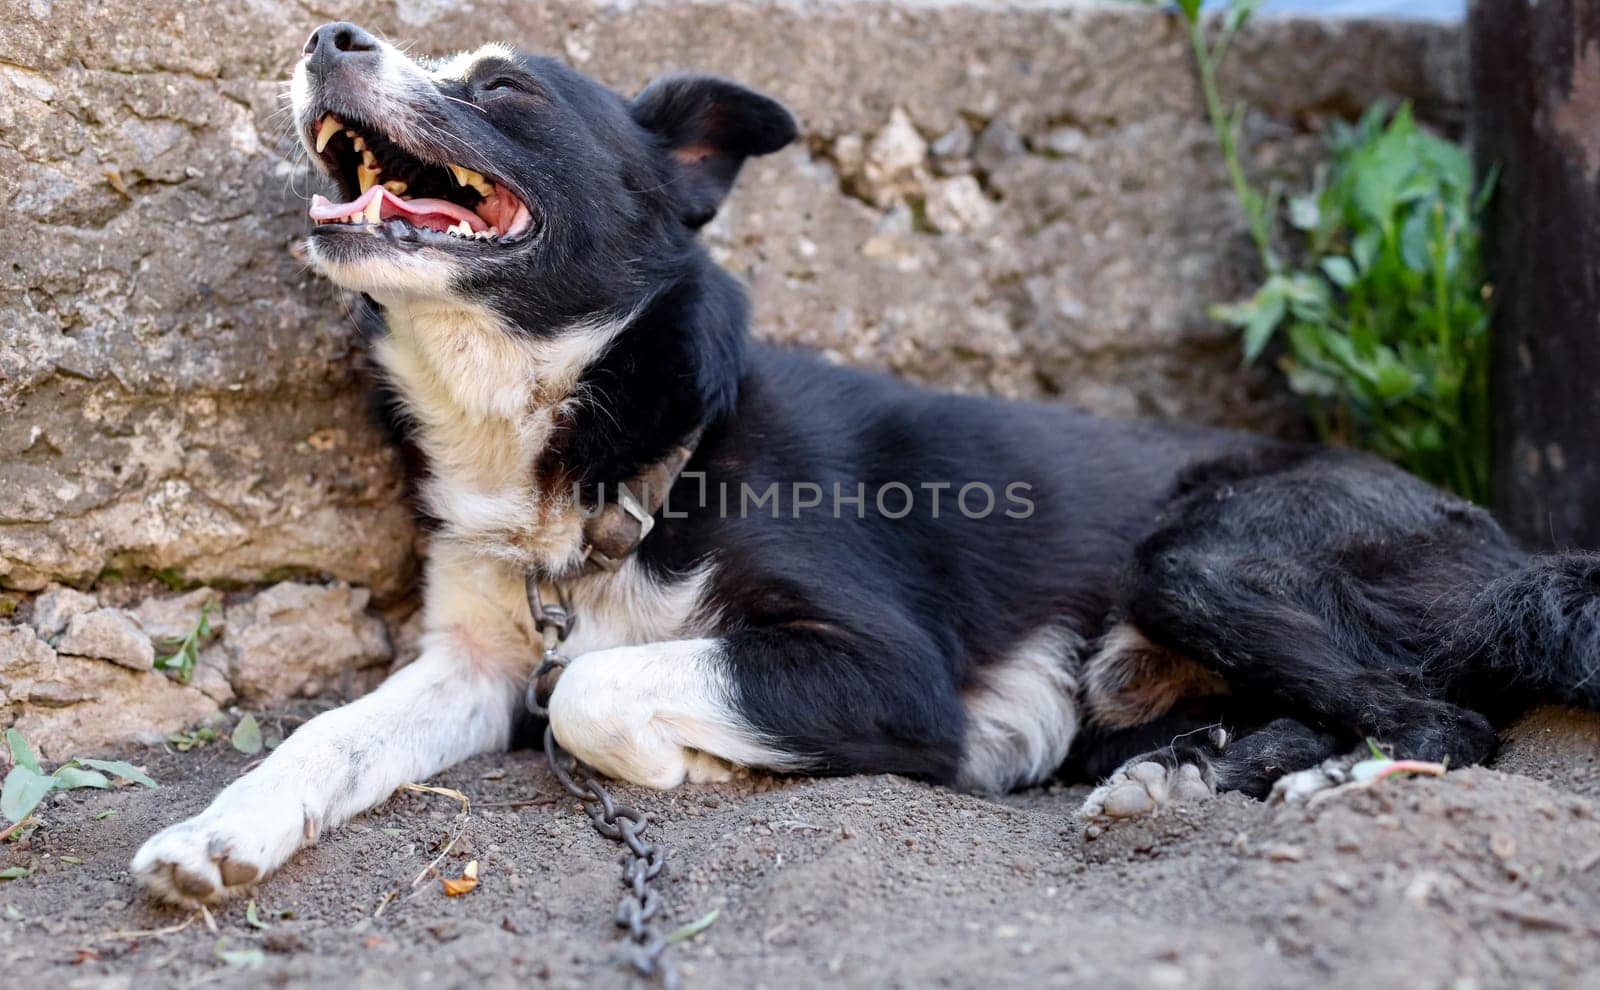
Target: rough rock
[57,607]
[169,618]
[108,634]
[300,640]
[68,705]
[178,395]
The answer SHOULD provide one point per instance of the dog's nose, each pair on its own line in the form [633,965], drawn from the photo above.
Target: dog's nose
[331,43]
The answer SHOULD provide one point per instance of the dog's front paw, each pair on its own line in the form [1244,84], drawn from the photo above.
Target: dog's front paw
[221,852]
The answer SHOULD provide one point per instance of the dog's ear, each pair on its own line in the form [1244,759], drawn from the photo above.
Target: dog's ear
[711,126]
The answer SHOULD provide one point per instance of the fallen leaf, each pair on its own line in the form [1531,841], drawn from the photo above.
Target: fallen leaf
[71,859]
[448,792]
[21,755]
[108,813]
[120,768]
[69,778]
[243,958]
[14,873]
[253,918]
[114,177]
[467,883]
[247,736]
[24,788]
[693,928]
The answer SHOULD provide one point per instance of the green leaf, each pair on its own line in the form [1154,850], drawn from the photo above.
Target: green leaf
[103,815]
[1190,9]
[68,778]
[1415,249]
[243,958]
[1391,378]
[247,736]
[1305,212]
[1258,331]
[14,873]
[21,755]
[75,861]
[23,790]
[252,918]
[120,768]
[1365,248]
[1341,271]
[693,928]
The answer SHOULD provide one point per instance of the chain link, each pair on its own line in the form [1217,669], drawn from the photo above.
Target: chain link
[645,861]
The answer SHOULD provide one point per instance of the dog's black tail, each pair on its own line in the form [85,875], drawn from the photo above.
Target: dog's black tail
[1536,629]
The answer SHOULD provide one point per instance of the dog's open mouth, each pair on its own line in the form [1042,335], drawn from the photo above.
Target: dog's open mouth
[409,197]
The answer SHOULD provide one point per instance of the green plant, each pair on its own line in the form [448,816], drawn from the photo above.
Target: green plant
[27,784]
[1383,309]
[186,651]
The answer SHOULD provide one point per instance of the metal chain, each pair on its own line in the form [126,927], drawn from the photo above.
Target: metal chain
[645,861]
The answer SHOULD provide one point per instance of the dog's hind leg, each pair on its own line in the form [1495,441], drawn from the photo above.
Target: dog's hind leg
[1304,637]
[456,700]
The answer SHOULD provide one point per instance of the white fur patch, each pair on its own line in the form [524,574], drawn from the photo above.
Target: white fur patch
[657,715]
[484,399]
[459,66]
[1021,720]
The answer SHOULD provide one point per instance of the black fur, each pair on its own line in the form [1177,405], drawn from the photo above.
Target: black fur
[1338,596]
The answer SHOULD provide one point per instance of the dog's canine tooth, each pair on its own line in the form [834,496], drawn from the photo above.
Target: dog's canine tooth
[474,180]
[366,175]
[374,211]
[326,130]
[396,186]
[358,142]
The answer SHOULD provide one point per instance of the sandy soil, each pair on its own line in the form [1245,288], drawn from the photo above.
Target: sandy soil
[1486,878]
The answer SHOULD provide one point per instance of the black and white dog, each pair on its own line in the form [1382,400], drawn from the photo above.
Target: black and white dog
[850,575]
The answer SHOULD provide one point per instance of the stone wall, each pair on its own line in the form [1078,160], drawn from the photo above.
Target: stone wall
[1018,197]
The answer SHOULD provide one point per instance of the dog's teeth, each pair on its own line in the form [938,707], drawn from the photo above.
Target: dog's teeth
[467,177]
[374,210]
[358,142]
[462,229]
[395,186]
[366,175]
[326,130]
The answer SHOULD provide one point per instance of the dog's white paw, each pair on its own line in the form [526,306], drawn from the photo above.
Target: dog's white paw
[1303,786]
[1144,787]
[225,850]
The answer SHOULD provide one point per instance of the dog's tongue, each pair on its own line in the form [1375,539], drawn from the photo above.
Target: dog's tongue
[378,203]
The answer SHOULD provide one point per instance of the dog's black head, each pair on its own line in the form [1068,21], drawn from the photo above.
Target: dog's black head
[512,181]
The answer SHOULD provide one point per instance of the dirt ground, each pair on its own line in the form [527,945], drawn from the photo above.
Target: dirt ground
[1485,878]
